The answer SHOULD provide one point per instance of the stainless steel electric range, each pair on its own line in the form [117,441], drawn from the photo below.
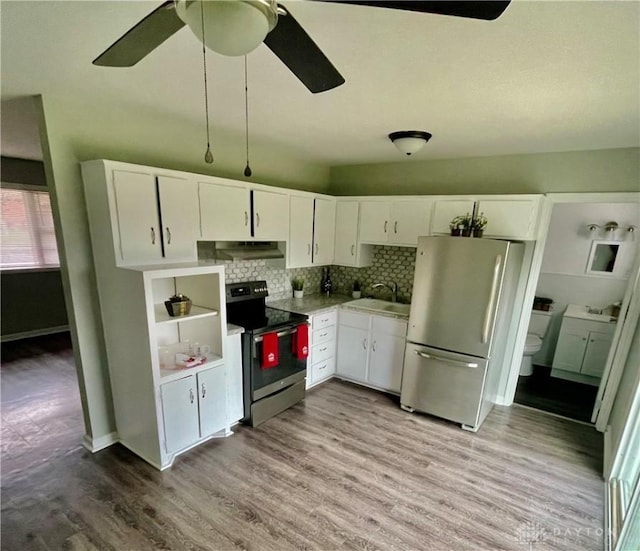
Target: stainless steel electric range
[268,389]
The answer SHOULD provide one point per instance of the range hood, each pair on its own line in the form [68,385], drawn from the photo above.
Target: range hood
[248,250]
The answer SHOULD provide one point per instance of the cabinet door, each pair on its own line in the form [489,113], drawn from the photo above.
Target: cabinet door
[180,413]
[225,212]
[509,218]
[446,210]
[179,214]
[300,231]
[324,224]
[570,350]
[596,354]
[385,361]
[233,366]
[409,220]
[137,213]
[346,233]
[353,346]
[212,400]
[374,221]
[270,220]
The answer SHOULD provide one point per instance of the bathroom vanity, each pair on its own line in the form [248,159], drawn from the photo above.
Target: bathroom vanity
[583,345]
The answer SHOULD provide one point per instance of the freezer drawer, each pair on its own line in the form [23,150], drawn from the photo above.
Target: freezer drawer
[444,384]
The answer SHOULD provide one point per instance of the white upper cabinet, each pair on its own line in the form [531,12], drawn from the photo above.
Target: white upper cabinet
[446,210]
[225,212]
[398,222]
[324,224]
[514,218]
[136,206]
[270,220]
[179,216]
[348,251]
[300,231]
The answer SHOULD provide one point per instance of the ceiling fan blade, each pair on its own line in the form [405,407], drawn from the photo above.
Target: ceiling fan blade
[475,9]
[295,48]
[143,38]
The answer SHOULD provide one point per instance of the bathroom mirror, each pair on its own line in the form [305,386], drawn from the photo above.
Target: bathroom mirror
[602,258]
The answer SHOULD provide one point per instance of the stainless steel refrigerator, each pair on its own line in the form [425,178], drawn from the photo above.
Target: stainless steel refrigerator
[461,310]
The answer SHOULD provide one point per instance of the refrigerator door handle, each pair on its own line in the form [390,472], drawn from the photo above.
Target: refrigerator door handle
[441,359]
[488,313]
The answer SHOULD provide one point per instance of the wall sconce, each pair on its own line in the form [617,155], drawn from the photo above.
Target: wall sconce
[610,229]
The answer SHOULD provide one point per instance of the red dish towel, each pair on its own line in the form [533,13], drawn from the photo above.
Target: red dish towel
[269,350]
[301,342]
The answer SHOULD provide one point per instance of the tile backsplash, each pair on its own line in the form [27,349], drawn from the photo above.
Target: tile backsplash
[389,264]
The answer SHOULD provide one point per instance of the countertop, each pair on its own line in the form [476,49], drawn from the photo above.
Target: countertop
[234,329]
[310,304]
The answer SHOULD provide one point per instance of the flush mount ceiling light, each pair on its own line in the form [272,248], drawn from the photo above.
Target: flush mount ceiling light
[409,141]
[233,28]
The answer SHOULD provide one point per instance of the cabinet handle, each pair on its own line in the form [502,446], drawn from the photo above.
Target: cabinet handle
[374,346]
[592,340]
[352,249]
[168,236]
[191,396]
[584,338]
[385,226]
[204,390]
[395,227]
[322,367]
[257,219]
[308,249]
[324,334]
[317,248]
[246,218]
[153,236]
[364,343]
[323,349]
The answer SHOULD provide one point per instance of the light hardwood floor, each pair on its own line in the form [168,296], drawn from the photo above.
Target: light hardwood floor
[346,469]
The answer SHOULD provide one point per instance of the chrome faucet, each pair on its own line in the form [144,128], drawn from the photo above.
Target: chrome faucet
[393,287]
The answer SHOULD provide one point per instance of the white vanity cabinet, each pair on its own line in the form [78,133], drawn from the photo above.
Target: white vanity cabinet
[150,214]
[322,358]
[348,251]
[394,222]
[371,349]
[311,231]
[583,347]
[231,211]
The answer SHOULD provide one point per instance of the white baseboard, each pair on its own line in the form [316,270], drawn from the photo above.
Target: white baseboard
[34,333]
[96,444]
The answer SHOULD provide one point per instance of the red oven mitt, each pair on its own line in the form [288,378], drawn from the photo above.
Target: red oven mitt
[302,342]
[269,350]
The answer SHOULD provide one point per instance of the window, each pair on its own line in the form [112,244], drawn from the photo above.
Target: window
[27,236]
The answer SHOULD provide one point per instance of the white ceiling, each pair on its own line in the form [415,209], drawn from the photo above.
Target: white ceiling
[546,76]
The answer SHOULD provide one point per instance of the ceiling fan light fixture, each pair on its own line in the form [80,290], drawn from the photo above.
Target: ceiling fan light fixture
[409,141]
[233,27]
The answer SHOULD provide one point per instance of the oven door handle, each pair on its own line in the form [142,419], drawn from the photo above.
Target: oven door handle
[259,338]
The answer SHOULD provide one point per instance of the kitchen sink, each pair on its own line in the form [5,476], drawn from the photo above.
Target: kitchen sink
[377,305]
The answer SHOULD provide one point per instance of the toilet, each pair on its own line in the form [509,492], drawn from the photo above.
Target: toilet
[538,324]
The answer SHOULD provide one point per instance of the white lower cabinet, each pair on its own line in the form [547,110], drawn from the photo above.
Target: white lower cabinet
[193,408]
[321,364]
[233,363]
[371,349]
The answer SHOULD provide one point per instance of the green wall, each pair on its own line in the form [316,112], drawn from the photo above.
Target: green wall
[578,171]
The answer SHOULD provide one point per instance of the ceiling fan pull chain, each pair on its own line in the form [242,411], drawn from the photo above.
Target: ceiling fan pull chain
[247,170]
[208,156]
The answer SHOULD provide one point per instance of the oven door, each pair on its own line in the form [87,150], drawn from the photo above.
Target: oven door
[288,371]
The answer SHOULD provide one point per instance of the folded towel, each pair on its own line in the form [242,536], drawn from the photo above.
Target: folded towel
[269,350]
[301,342]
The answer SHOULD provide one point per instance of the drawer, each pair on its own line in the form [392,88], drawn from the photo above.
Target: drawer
[325,334]
[324,320]
[354,319]
[322,370]
[323,351]
[389,326]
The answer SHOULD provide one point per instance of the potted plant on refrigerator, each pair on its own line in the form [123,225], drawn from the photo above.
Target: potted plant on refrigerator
[298,287]
[478,224]
[356,292]
[465,224]
[456,225]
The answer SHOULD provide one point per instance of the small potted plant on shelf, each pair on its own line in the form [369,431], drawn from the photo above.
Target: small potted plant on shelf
[465,224]
[478,224]
[356,292]
[456,225]
[298,287]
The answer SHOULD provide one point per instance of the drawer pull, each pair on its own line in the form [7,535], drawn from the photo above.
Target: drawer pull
[323,349]
[322,367]
[441,359]
[325,334]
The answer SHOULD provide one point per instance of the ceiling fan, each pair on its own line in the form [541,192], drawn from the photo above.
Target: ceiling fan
[236,27]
